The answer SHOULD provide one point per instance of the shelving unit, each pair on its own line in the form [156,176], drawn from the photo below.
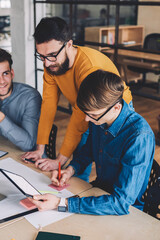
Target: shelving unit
[128,35]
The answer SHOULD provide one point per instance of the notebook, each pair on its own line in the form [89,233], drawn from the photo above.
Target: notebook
[56,236]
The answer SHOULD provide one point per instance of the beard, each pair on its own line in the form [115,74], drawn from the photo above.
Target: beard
[62,68]
[9,90]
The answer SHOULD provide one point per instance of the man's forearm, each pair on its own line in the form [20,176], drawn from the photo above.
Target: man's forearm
[63,159]
[16,134]
[40,148]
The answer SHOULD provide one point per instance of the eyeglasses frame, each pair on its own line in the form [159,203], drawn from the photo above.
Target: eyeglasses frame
[104,112]
[38,56]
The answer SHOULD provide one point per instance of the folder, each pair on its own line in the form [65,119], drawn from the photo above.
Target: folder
[21,183]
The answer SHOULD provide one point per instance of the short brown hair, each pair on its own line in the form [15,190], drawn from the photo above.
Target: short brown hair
[50,28]
[6,56]
[100,89]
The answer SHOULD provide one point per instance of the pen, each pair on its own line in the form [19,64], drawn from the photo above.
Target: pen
[29,160]
[59,171]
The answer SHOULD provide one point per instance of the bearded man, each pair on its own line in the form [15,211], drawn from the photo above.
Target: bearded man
[65,67]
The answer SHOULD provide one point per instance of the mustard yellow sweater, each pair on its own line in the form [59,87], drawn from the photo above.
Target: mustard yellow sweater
[87,60]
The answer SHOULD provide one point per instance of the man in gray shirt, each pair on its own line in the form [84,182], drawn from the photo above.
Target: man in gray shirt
[19,107]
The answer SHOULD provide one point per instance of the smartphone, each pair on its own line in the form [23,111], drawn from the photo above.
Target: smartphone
[2,153]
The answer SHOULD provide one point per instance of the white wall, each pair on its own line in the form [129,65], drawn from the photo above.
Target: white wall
[4,11]
[22,29]
[149,16]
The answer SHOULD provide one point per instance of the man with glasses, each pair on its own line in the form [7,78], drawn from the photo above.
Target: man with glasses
[19,107]
[65,67]
[120,142]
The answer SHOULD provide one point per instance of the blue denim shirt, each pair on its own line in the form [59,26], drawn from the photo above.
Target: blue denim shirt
[123,155]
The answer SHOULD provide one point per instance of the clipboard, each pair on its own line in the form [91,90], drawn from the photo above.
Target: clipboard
[24,187]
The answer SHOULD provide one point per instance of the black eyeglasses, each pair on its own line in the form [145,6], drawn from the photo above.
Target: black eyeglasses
[52,57]
[104,112]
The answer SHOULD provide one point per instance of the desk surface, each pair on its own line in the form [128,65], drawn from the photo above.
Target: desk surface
[136,225]
[134,54]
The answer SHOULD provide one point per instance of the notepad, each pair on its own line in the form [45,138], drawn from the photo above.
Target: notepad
[59,188]
[27,204]
[55,236]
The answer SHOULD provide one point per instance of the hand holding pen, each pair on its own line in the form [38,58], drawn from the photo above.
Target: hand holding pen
[60,177]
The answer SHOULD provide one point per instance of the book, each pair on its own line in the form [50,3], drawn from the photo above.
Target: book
[55,236]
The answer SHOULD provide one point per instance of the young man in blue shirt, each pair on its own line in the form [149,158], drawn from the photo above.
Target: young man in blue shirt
[120,142]
[19,107]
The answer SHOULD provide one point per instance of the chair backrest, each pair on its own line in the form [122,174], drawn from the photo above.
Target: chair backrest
[50,148]
[152,42]
[151,196]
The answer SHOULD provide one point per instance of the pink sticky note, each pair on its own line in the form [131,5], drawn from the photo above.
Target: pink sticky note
[58,188]
[27,204]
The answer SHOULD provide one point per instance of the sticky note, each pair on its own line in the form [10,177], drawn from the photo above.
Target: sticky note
[58,188]
[27,204]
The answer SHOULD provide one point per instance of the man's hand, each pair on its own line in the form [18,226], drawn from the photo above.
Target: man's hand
[35,155]
[47,164]
[49,201]
[2,116]
[65,176]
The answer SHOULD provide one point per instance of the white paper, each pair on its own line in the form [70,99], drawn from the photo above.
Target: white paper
[42,219]
[11,206]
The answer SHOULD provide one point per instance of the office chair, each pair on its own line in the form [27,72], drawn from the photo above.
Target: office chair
[50,148]
[151,42]
[151,197]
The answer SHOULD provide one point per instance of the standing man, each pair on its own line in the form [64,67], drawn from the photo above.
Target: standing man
[19,107]
[65,67]
[120,142]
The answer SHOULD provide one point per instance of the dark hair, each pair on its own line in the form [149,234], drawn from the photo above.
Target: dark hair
[52,28]
[5,56]
[100,89]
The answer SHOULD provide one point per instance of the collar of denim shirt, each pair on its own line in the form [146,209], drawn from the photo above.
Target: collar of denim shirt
[118,123]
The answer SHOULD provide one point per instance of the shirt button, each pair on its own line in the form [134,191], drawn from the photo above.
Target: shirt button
[106,133]
[100,150]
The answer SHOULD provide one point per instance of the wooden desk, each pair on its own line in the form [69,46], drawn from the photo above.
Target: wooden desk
[136,225]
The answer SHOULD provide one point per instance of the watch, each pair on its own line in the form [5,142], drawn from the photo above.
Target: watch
[62,207]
